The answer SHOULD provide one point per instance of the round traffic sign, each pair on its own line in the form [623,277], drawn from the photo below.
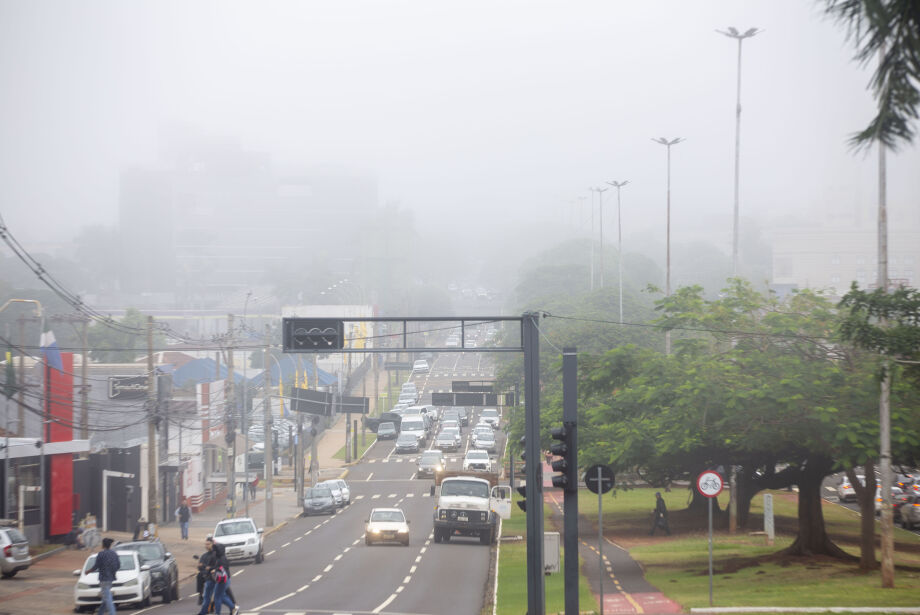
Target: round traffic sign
[599,485]
[709,483]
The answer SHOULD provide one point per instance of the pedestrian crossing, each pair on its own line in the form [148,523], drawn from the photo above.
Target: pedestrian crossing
[380,496]
[409,459]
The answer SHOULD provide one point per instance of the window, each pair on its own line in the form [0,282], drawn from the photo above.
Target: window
[835,259]
[835,279]
[860,260]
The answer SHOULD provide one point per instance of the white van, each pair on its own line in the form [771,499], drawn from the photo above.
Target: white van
[414,424]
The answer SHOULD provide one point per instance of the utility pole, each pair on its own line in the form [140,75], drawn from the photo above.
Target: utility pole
[21,426]
[231,406]
[84,387]
[884,402]
[618,185]
[269,457]
[592,239]
[151,429]
[600,222]
[667,280]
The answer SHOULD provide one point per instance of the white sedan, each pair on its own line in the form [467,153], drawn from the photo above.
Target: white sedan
[387,525]
[131,585]
[477,460]
[420,366]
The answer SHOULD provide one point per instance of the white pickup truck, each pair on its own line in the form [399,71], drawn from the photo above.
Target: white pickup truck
[470,506]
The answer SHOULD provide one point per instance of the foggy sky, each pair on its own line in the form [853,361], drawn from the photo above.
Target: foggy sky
[495,111]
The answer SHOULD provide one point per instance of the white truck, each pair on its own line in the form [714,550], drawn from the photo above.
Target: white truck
[469,505]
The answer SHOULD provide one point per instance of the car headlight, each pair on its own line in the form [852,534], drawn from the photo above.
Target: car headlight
[439,468]
[130,582]
[82,585]
[251,541]
[375,530]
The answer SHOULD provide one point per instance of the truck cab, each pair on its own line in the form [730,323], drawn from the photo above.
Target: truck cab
[469,506]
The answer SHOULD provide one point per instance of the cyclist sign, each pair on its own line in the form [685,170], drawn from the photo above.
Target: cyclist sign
[709,484]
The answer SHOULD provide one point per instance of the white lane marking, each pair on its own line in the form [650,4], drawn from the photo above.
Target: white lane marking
[375,496]
[400,588]
[307,533]
[239,572]
[346,550]
[316,578]
[384,604]
[410,495]
[337,557]
[275,601]
[303,588]
[285,545]
[414,474]
[327,568]
[272,552]
[360,497]
[356,542]
[418,559]
[372,461]
[413,569]
[423,549]
[368,478]
[406,580]
[298,538]
[392,495]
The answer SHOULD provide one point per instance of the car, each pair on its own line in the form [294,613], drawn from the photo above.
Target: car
[14,552]
[898,498]
[490,416]
[910,511]
[482,428]
[241,539]
[464,416]
[446,442]
[131,585]
[450,423]
[452,342]
[845,491]
[336,490]
[409,387]
[407,399]
[387,431]
[318,500]
[386,525]
[455,432]
[430,462]
[477,460]
[420,367]
[407,443]
[164,571]
[343,487]
[414,424]
[484,442]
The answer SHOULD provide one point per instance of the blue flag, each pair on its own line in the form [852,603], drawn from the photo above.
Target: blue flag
[50,351]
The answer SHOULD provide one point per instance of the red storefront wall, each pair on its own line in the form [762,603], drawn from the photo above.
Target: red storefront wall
[60,409]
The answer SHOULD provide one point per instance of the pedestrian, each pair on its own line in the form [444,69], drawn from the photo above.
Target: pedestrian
[660,515]
[106,564]
[184,513]
[221,551]
[217,580]
[252,488]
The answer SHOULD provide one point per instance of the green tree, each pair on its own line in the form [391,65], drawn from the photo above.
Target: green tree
[123,342]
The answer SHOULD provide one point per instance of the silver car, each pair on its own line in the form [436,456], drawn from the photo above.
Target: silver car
[14,552]
[337,494]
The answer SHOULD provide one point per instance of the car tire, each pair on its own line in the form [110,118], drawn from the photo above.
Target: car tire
[175,590]
[9,575]
[260,557]
[906,524]
[406,543]
[367,541]
[145,602]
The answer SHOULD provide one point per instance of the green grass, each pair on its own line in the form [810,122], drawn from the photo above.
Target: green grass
[512,573]
[371,438]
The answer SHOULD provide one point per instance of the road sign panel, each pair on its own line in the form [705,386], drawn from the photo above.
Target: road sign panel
[709,483]
[606,482]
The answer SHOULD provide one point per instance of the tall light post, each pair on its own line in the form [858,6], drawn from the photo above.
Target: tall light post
[243,414]
[618,185]
[667,279]
[732,32]
[581,203]
[600,223]
[591,190]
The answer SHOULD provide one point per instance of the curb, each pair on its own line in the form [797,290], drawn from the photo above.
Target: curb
[805,609]
[41,556]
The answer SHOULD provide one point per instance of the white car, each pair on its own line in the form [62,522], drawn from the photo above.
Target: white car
[420,366]
[477,460]
[342,486]
[845,491]
[241,539]
[386,525]
[490,416]
[484,442]
[131,585]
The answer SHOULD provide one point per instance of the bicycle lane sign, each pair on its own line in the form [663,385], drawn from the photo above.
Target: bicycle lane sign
[710,484]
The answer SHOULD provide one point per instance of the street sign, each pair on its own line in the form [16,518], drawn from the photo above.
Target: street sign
[356,405]
[312,334]
[397,366]
[127,387]
[309,401]
[709,483]
[599,483]
[472,399]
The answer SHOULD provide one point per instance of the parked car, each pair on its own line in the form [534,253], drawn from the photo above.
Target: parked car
[420,367]
[407,443]
[386,525]
[14,551]
[318,500]
[387,431]
[241,538]
[343,487]
[430,463]
[336,490]
[845,491]
[131,585]
[164,572]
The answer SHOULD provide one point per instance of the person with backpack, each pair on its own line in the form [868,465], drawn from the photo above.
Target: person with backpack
[217,579]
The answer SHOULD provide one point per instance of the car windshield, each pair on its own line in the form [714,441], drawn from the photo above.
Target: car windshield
[388,516]
[15,536]
[431,457]
[318,492]
[406,438]
[126,562]
[234,527]
[386,427]
[331,486]
[147,552]
[445,437]
[467,488]
[487,413]
[412,425]
[477,455]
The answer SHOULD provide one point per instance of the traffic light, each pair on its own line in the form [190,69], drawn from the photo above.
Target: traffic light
[312,335]
[567,457]
[522,485]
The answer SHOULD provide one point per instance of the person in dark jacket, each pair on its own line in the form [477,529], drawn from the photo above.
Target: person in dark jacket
[107,564]
[184,513]
[217,580]
[660,515]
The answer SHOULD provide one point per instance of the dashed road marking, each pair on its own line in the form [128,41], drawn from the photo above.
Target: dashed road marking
[316,578]
[240,571]
[272,552]
[285,545]
[327,568]
[275,601]
[298,538]
[303,588]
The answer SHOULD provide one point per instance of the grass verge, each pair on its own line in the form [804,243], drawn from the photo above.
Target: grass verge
[371,438]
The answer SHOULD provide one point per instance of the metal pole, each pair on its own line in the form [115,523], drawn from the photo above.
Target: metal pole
[592,238]
[710,550]
[618,185]
[570,495]
[600,210]
[230,400]
[535,581]
[737,167]
[84,387]
[667,283]
[884,404]
[152,477]
[600,536]
[269,451]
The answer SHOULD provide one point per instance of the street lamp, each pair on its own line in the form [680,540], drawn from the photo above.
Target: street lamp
[244,417]
[667,279]
[600,222]
[732,32]
[619,185]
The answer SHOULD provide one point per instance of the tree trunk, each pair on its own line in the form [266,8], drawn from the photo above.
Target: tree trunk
[865,495]
[812,538]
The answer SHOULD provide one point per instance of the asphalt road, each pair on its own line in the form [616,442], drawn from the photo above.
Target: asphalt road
[320,564]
